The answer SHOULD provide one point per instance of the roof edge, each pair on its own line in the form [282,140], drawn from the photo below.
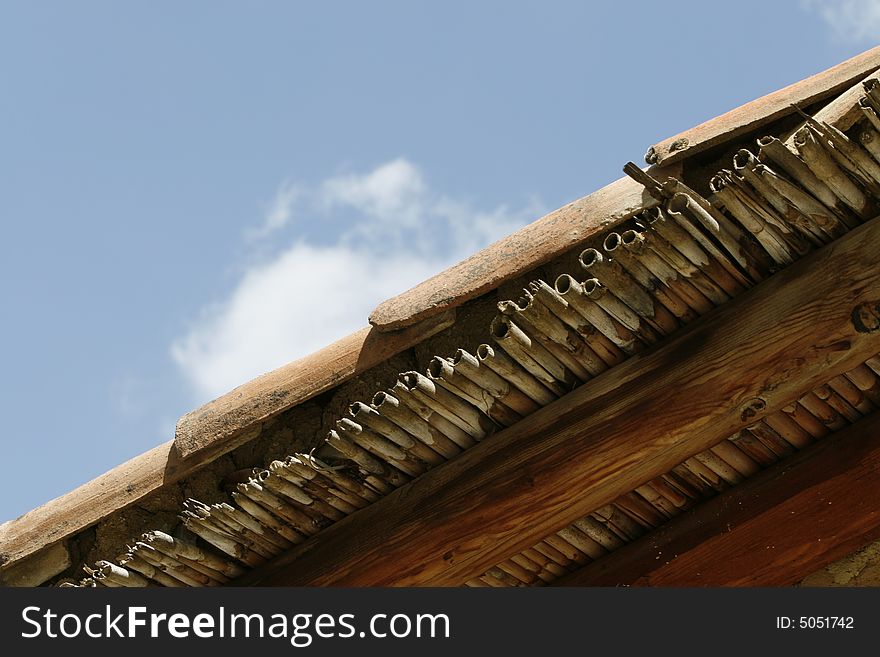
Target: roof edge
[765,109]
[204,435]
[528,248]
[564,228]
[223,420]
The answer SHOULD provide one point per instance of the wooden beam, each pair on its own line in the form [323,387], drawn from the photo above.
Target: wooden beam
[775,529]
[764,110]
[843,112]
[530,247]
[219,423]
[860,568]
[204,435]
[755,354]
[71,513]
[37,568]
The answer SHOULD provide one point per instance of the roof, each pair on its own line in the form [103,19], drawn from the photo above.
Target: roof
[440,471]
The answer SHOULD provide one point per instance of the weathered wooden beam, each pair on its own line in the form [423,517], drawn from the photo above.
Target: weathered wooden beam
[764,110]
[217,424]
[204,435]
[757,353]
[64,516]
[37,568]
[843,112]
[775,529]
[530,247]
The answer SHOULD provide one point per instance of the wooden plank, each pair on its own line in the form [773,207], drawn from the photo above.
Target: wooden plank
[37,568]
[843,112]
[775,529]
[222,422]
[754,355]
[530,247]
[204,435]
[764,110]
[859,568]
[82,507]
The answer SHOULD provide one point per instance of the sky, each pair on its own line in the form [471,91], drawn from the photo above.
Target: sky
[194,193]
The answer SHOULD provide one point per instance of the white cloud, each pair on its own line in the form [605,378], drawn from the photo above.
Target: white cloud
[279,212]
[392,192]
[395,232]
[853,20]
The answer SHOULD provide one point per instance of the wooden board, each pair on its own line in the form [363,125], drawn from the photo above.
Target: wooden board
[220,422]
[530,247]
[764,110]
[773,530]
[818,318]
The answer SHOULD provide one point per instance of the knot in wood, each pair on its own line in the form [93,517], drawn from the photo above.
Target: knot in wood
[866,317]
[678,145]
[751,408]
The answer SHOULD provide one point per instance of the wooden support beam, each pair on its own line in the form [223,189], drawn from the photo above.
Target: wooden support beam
[204,435]
[757,353]
[764,110]
[775,529]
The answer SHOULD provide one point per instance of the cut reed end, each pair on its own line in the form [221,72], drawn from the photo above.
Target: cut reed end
[590,258]
[500,327]
[717,183]
[524,301]
[629,237]
[437,367]
[743,158]
[611,242]
[677,204]
[592,287]
[652,214]
[358,407]
[563,283]
[409,379]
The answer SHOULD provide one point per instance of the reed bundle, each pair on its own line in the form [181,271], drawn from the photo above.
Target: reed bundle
[662,269]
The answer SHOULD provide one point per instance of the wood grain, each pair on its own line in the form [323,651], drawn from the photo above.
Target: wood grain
[773,530]
[759,352]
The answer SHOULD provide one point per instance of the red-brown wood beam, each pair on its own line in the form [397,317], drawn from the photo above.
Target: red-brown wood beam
[780,526]
[818,318]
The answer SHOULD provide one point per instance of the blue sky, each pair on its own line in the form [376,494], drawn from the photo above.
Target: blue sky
[193,193]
